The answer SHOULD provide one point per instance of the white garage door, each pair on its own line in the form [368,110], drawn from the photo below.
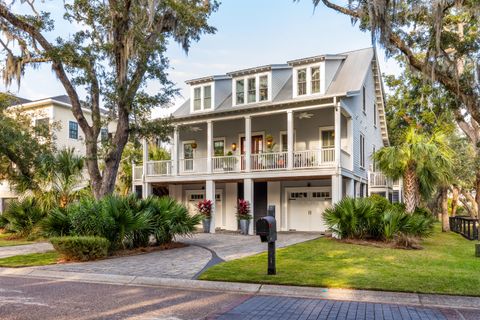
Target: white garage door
[193,197]
[305,208]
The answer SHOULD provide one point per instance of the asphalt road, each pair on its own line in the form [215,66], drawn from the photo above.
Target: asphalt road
[22,298]
[29,298]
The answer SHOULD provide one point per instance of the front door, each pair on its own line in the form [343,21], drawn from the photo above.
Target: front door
[328,144]
[257,147]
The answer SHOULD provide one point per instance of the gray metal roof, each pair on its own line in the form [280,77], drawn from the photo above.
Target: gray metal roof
[348,80]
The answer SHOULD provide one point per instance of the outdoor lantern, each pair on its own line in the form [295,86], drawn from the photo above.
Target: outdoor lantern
[194,145]
[234,146]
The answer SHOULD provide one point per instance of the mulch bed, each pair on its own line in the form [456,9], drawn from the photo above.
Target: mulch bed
[378,244]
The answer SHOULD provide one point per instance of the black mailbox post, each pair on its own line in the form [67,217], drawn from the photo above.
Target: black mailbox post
[266,228]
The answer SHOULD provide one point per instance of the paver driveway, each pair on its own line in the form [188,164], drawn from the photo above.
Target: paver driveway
[185,262]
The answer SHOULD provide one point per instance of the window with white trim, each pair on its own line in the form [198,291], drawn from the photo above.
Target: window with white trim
[263,91]
[364,99]
[362,150]
[240,91]
[374,115]
[207,97]
[73,130]
[252,90]
[197,99]
[219,148]
[315,79]
[301,82]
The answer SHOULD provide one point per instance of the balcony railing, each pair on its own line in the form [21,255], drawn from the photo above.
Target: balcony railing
[271,161]
[378,179]
[227,164]
[159,168]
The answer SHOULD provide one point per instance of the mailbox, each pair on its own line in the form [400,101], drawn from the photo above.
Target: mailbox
[266,228]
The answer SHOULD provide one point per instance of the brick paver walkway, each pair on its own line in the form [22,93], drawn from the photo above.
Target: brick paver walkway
[183,263]
[25,249]
[285,308]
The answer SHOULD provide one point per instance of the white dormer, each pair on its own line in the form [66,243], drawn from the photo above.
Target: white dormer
[203,93]
[253,88]
[203,97]
[311,76]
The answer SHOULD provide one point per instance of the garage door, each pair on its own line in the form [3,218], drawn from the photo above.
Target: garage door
[305,208]
[193,197]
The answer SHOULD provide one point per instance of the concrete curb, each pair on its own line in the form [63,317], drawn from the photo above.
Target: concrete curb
[414,299]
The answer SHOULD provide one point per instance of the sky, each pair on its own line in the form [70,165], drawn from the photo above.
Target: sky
[249,33]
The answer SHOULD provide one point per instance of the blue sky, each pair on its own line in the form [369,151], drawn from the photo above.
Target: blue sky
[250,33]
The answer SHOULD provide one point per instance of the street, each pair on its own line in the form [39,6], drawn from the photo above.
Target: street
[29,298]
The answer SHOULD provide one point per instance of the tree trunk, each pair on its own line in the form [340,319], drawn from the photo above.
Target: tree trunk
[455,194]
[410,185]
[445,222]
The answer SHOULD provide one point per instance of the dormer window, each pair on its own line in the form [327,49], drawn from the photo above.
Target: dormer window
[202,98]
[197,99]
[263,88]
[315,82]
[207,97]
[301,82]
[240,91]
[252,90]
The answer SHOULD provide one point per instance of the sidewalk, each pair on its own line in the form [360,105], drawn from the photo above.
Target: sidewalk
[25,249]
[398,298]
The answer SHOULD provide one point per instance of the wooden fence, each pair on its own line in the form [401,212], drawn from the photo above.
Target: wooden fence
[466,226]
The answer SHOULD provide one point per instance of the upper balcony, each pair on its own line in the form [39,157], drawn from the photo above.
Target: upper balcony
[288,142]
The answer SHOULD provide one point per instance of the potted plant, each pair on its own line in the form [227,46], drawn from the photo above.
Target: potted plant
[204,207]
[243,215]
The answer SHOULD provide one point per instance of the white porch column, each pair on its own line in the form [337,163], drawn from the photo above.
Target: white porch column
[350,188]
[210,195]
[248,195]
[175,151]
[248,143]
[144,173]
[338,132]
[290,142]
[1,205]
[336,188]
[209,145]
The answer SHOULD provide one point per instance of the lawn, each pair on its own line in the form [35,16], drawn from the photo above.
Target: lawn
[30,260]
[5,242]
[446,265]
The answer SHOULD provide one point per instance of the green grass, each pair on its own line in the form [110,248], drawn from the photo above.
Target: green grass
[30,260]
[446,265]
[4,242]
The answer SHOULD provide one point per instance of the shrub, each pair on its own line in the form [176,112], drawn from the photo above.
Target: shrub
[57,223]
[373,218]
[22,217]
[81,248]
[243,210]
[350,218]
[87,218]
[170,219]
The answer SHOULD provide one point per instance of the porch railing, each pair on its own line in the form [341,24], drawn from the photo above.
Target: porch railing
[466,226]
[378,179]
[269,161]
[313,158]
[159,168]
[192,166]
[226,164]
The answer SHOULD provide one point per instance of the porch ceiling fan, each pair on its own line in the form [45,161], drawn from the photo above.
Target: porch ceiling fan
[304,115]
[195,129]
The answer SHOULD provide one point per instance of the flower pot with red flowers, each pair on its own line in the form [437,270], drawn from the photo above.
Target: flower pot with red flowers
[243,215]
[204,207]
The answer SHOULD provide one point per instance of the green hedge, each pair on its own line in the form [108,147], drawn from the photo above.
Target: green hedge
[81,248]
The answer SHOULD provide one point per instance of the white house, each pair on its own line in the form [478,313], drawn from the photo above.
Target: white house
[56,111]
[297,135]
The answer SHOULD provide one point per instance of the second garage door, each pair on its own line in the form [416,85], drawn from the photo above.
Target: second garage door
[305,208]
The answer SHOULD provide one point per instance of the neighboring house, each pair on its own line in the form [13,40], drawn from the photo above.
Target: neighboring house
[298,136]
[56,111]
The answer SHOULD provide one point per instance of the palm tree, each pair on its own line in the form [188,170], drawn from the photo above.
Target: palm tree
[423,161]
[61,177]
